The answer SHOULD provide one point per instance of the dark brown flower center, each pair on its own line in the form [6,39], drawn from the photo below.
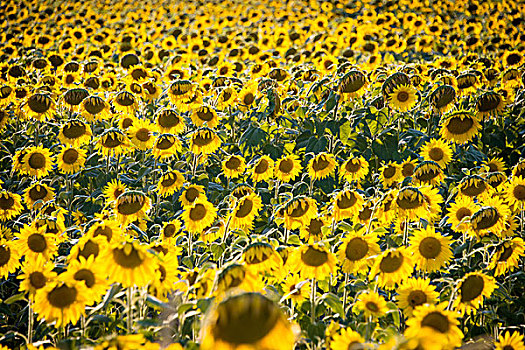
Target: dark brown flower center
[39,103]
[247,324]
[37,161]
[169,181]
[262,166]
[286,165]
[233,163]
[85,275]
[70,156]
[37,279]
[203,139]
[429,247]
[519,192]
[408,169]
[314,257]
[471,288]
[128,261]
[356,249]
[389,172]
[62,297]
[437,321]
[505,254]
[320,164]
[436,154]
[485,218]
[391,263]
[168,119]
[143,135]
[458,126]
[198,212]
[125,99]
[5,255]
[300,208]
[192,194]
[248,99]
[416,298]
[371,306]
[245,208]
[6,201]
[90,248]
[37,192]
[111,141]
[353,166]
[131,206]
[205,114]
[402,96]
[37,243]
[105,231]
[347,200]
[169,230]
[74,130]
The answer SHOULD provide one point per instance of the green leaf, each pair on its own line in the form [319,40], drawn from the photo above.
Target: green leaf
[14,298]
[334,302]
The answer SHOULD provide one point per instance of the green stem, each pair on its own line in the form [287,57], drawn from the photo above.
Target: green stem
[312,302]
[30,317]
[130,309]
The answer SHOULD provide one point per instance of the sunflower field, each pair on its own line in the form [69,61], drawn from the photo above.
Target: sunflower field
[262,174]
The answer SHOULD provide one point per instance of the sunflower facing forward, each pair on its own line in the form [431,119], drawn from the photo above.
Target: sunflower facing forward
[403,98]
[10,205]
[245,211]
[415,292]
[37,162]
[356,251]
[371,304]
[392,267]
[431,251]
[473,288]
[287,168]
[198,215]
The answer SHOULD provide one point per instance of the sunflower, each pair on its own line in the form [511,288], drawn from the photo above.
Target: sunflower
[10,205]
[33,242]
[181,90]
[198,215]
[467,83]
[459,214]
[95,108]
[113,190]
[236,277]
[321,166]
[106,228]
[472,288]
[36,274]
[515,192]
[519,169]
[261,257]
[299,211]
[431,251]
[356,251]
[191,194]
[312,261]
[347,339]
[510,341]
[474,186]
[247,321]
[407,167]
[314,231]
[507,256]
[9,258]
[428,173]
[491,217]
[125,102]
[166,146]
[70,159]
[92,274]
[403,98]
[246,97]
[88,246]
[37,162]
[112,142]
[392,267]
[204,141]
[496,180]
[38,192]
[437,150]
[233,166]
[287,168]
[459,127]
[131,206]
[297,288]
[346,204]
[410,203]
[489,104]
[414,292]
[169,121]
[62,300]
[170,182]
[442,323]
[129,263]
[39,106]
[72,98]
[354,169]
[390,174]
[353,84]
[205,114]
[245,211]
[262,169]
[167,275]
[141,134]
[371,304]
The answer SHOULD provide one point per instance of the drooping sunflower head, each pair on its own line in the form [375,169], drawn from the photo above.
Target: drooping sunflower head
[473,186]
[443,98]
[460,127]
[467,83]
[72,98]
[490,218]
[261,257]
[125,102]
[95,108]
[247,320]
[321,166]
[205,115]
[112,142]
[132,205]
[169,121]
[204,141]
[489,104]
[353,83]
[346,204]
[75,132]
[354,169]
[245,211]
[39,106]
[299,211]
[263,169]
[166,146]
[170,182]
[10,205]
[428,172]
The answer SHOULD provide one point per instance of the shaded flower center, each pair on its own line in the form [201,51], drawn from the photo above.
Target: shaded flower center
[320,164]
[389,172]
[168,119]
[505,254]
[85,275]
[430,247]
[6,202]
[408,169]
[402,96]
[130,206]
[519,192]
[353,166]
[356,249]
[5,255]
[416,298]
[37,161]
[70,156]
[128,261]
[347,200]
[169,230]
[370,305]
[462,213]
[458,126]
[244,209]
[391,263]
[233,163]
[37,243]
[37,192]
[198,212]
[314,257]
[74,130]
[62,297]
[143,135]
[286,166]
[37,279]
[436,154]
[90,248]
[203,139]
[39,103]
[436,321]
[105,231]
[262,166]
[471,288]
